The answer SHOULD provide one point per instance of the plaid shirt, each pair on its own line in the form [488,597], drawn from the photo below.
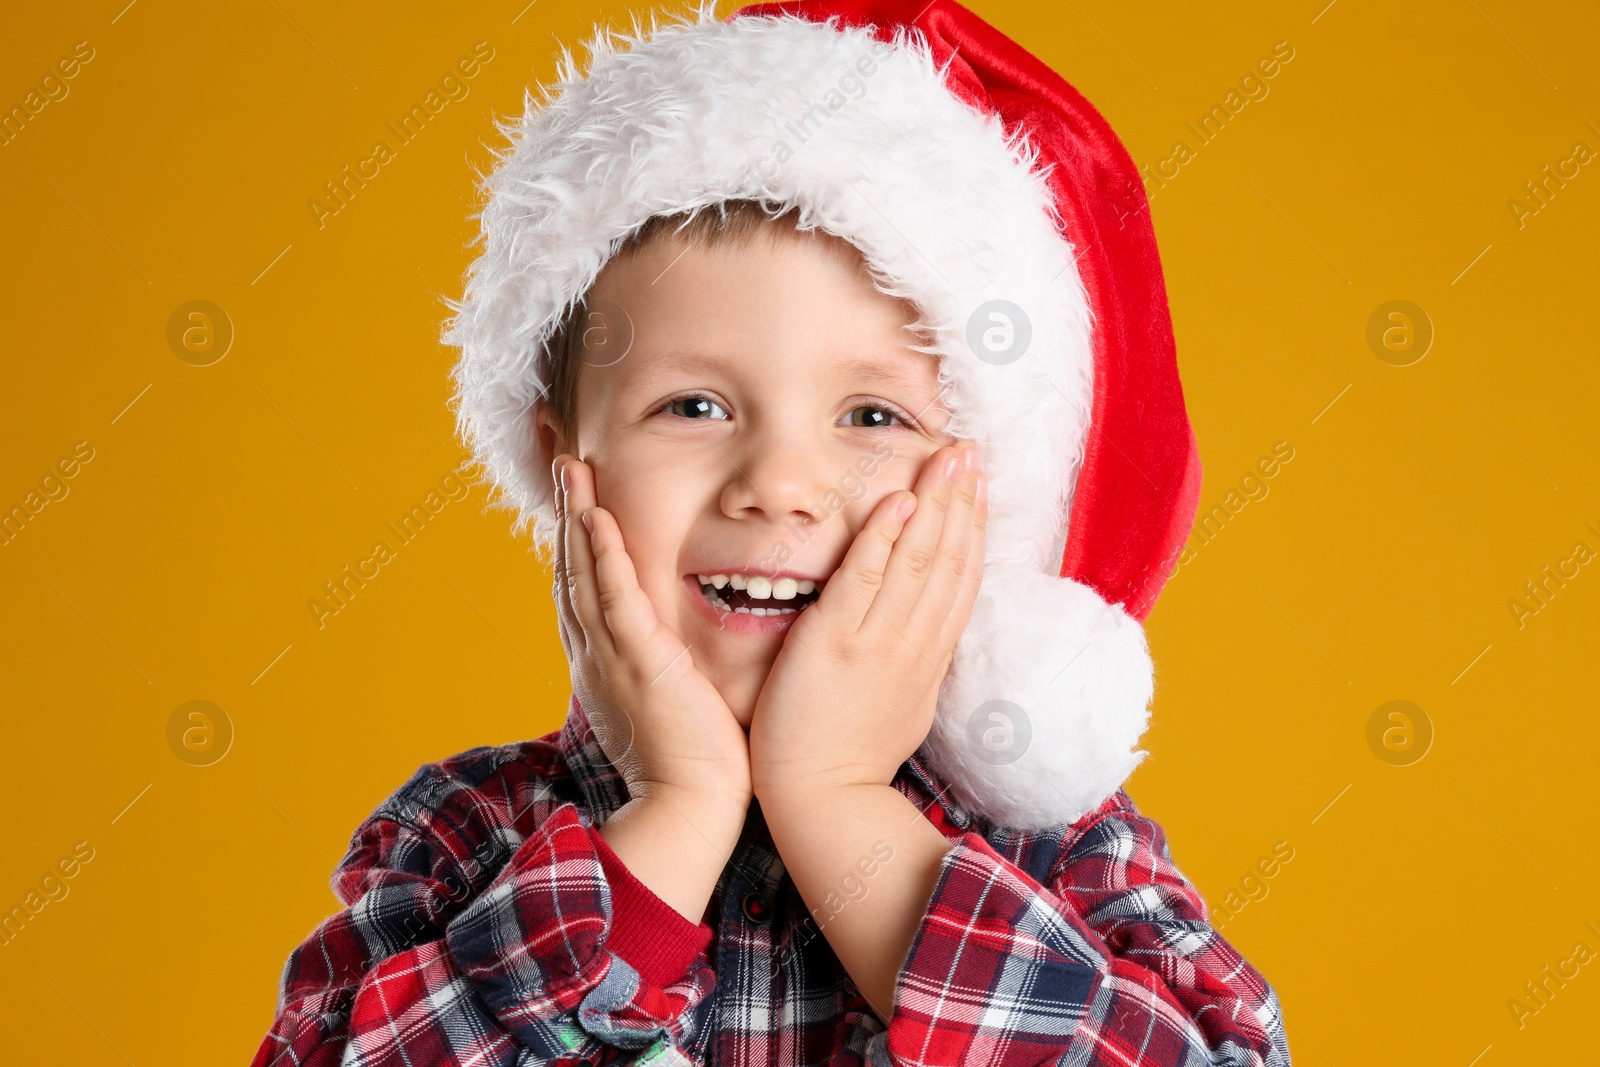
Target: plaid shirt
[488,923]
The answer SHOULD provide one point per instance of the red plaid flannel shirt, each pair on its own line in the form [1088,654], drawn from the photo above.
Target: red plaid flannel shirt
[487,923]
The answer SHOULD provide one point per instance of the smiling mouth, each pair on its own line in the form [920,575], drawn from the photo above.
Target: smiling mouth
[780,598]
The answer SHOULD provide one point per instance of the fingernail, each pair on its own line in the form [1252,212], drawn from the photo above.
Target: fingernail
[972,459]
[907,506]
[563,477]
[588,523]
[983,489]
[951,465]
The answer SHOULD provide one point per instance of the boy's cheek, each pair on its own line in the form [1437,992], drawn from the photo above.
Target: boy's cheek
[900,471]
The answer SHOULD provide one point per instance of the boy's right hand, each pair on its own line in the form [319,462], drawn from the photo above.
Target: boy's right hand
[659,720]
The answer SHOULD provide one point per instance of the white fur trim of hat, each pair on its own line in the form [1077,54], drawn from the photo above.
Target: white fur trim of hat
[1039,719]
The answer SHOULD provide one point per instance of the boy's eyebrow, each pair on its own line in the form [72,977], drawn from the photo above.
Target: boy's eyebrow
[696,362]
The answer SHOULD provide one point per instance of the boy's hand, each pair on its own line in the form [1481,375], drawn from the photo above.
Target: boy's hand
[853,691]
[660,721]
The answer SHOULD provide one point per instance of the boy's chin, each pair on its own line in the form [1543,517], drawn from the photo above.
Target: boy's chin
[740,696]
[744,711]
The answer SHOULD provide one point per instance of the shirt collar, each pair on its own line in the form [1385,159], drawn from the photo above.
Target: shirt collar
[604,790]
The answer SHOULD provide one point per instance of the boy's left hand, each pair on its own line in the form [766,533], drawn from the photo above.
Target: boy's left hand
[853,690]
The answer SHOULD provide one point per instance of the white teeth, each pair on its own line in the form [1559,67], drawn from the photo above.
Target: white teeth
[761,587]
[722,605]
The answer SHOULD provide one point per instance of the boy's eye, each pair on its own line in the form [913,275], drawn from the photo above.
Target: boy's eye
[878,419]
[878,416]
[694,407]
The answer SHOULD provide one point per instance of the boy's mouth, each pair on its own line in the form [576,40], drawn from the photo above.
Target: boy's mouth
[759,594]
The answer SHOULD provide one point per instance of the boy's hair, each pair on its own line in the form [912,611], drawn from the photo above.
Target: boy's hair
[732,222]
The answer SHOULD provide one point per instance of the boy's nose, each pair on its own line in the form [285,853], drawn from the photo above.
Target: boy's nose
[784,486]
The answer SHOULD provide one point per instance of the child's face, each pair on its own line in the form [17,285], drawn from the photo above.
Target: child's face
[755,420]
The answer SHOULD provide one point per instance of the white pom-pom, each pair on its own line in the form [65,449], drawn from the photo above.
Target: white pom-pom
[1044,704]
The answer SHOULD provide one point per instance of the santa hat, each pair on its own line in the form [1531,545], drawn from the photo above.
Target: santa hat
[981,187]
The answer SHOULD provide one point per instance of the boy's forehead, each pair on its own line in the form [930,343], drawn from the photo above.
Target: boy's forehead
[901,368]
[759,310]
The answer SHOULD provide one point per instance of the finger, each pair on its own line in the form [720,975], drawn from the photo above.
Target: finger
[916,552]
[556,597]
[627,611]
[955,622]
[580,557]
[565,620]
[848,595]
[951,557]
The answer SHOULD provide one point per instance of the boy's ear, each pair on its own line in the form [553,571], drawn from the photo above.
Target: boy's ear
[552,439]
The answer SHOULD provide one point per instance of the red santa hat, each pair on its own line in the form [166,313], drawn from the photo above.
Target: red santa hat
[985,190]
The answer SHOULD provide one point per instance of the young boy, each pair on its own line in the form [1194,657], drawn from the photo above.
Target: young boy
[840,781]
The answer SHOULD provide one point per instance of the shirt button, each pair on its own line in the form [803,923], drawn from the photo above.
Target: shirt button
[757,908]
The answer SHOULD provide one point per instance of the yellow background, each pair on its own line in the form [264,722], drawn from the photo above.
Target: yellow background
[1380,566]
